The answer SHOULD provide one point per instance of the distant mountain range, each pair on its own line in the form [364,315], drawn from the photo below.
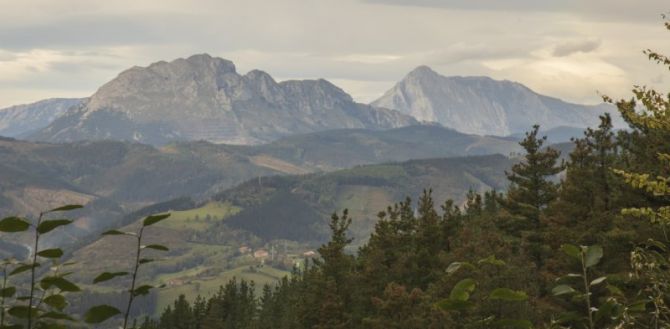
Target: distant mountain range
[133,175]
[22,120]
[483,106]
[204,98]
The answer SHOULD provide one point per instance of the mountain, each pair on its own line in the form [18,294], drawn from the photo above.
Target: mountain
[204,98]
[298,207]
[345,148]
[23,120]
[133,174]
[483,106]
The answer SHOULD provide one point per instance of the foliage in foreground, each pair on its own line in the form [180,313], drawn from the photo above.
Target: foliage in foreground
[41,300]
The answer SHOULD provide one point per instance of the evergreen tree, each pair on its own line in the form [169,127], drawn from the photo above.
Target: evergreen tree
[199,311]
[531,189]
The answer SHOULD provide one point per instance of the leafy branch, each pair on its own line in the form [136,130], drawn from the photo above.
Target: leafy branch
[101,313]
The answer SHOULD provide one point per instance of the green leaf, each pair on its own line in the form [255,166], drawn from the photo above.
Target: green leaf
[462,290]
[21,311]
[614,290]
[151,220]
[593,255]
[455,266]
[100,313]
[57,316]
[67,208]
[108,276]
[454,305]
[49,225]
[492,260]
[145,260]
[156,247]
[13,225]
[51,253]
[607,310]
[513,323]
[56,301]
[572,251]
[598,280]
[509,295]
[60,283]
[117,232]
[7,292]
[142,290]
[562,290]
[22,268]
[638,306]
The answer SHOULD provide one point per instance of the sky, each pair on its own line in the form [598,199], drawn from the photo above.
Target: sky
[572,49]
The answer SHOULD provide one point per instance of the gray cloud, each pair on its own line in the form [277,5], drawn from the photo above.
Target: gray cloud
[569,48]
[365,45]
[461,52]
[644,10]
[82,31]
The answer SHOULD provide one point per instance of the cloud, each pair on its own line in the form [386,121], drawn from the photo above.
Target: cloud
[618,10]
[75,46]
[84,31]
[569,48]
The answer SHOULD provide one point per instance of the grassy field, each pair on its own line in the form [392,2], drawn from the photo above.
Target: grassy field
[191,284]
[200,219]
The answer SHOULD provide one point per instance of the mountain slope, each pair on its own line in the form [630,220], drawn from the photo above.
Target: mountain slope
[114,178]
[269,205]
[204,98]
[481,105]
[23,120]
[135,174]
[338,149]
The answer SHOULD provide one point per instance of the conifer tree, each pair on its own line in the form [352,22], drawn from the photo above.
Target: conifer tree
[531,189]
[587,194]
[335,271]
[429,242]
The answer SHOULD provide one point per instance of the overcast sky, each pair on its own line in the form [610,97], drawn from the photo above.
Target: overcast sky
[571,49]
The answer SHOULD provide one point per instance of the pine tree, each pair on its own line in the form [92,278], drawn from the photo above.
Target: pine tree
[531,189]
[587,195]
[429,242]
[182,315]
[199,311]
[335,271]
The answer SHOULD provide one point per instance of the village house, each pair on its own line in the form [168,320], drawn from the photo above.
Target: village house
[261,253]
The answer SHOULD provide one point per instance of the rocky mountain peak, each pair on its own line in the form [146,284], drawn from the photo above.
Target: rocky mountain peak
[422,71]
[483,106]
[203,98]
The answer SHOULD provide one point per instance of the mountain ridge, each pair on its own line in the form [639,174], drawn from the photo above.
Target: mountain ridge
[21,120]
[203,97]
[485,106]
